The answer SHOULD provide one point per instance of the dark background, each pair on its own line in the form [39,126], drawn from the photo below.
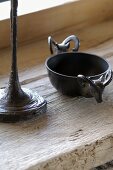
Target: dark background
[3,0]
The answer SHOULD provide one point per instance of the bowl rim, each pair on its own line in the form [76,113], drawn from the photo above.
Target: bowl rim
[83,53]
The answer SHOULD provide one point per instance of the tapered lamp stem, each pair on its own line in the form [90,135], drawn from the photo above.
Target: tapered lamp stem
[18,103]
[14,5]
[14,84]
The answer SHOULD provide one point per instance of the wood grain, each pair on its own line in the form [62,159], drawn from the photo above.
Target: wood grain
[40,24]
[75,133]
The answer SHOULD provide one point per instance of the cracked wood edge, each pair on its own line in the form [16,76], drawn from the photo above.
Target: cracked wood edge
[81,158]
[107,166]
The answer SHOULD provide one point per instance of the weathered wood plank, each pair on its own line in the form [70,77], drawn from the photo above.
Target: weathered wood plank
[75,133]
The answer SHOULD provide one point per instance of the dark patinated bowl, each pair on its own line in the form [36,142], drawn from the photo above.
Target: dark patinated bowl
[64,68]
[78,74]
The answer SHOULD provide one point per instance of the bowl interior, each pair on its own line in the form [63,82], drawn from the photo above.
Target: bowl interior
[73,64]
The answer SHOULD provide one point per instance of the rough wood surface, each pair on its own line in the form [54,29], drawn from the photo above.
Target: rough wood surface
[75,133]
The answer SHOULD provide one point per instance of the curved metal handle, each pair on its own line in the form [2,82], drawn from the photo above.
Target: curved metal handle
[89,88]
[64,46]
[74,39]
[106,79]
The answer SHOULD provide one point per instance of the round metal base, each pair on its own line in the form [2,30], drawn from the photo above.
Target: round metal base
[23,109]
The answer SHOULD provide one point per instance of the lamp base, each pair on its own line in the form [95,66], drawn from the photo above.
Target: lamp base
[19,110]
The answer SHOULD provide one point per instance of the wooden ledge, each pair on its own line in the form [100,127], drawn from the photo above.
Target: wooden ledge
[75,133]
